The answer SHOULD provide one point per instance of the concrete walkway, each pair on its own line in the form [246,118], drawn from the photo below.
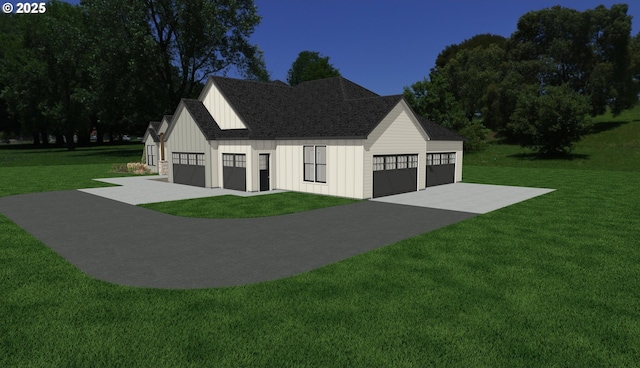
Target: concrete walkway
[151,189]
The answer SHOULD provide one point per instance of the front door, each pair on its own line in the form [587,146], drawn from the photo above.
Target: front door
[264,172]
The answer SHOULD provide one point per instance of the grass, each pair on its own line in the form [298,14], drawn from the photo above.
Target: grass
[552,281]
[244,207]
[25,156]
[613,145]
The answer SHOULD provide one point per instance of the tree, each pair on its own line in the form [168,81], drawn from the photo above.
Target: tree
[45,76]
[433,100]
[481,40]
[126,87]
[179,43]
[588,51]
[310,66]
[550,121]
[197,38]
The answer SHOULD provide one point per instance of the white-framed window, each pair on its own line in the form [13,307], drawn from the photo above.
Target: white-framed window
[151,157]
[314,160]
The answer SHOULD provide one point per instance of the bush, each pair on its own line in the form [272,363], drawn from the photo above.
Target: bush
[549,121]
[137,168]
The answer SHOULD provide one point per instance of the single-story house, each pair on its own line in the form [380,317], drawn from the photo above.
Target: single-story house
[154,149]
[328,136]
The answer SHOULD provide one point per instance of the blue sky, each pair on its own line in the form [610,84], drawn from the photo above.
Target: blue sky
[385,45]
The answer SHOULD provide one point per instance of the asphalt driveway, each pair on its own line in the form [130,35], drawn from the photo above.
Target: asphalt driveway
[129,245]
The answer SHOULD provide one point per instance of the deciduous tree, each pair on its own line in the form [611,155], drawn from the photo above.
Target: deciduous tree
[310,65]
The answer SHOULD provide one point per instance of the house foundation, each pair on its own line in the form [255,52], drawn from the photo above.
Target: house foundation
[163,167]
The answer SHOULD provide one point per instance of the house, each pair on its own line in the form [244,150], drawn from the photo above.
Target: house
[328,136]
[154,149]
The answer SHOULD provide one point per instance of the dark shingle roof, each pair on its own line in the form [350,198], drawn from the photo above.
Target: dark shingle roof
[437,132]
[325,108]
[153,129]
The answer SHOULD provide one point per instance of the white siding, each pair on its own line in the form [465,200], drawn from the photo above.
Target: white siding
[216,181]
[149,142]
[186,136]
[344,167]
[449,146]
[164,124]
[220,109]
[398,133]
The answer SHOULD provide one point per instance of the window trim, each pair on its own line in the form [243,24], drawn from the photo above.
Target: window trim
[150,155]
[311,167]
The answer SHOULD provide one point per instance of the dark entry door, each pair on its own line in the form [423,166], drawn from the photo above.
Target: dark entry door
[264,172]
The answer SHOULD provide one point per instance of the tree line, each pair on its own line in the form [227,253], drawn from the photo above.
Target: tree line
[538,87]
[112,66]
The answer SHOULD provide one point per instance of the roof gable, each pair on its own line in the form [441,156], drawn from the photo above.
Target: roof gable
[325,108]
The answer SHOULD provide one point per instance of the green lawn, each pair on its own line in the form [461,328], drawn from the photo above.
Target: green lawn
[552,281]
[242,207]
[615,145]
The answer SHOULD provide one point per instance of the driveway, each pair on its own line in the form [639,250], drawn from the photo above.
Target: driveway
[129,245]
[105,236]
[466,197]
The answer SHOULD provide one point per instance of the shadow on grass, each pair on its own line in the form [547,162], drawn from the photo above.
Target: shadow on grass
[128,152]
[536,156]
[122,150]
[603,126]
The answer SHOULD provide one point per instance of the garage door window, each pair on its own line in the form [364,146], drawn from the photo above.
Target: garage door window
[378,163]
[413,161]
[315,163]
[395,162]
[436,159]
[231,160]
[192,159]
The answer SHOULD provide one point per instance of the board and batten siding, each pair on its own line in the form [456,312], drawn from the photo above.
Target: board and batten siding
[449,146]
[398,133]
[219,108]
[186,136]
[344,167]
[150,142]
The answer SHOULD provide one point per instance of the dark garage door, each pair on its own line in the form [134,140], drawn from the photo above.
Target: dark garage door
[394,174]
[234,171]
[188,168]
[441,168]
